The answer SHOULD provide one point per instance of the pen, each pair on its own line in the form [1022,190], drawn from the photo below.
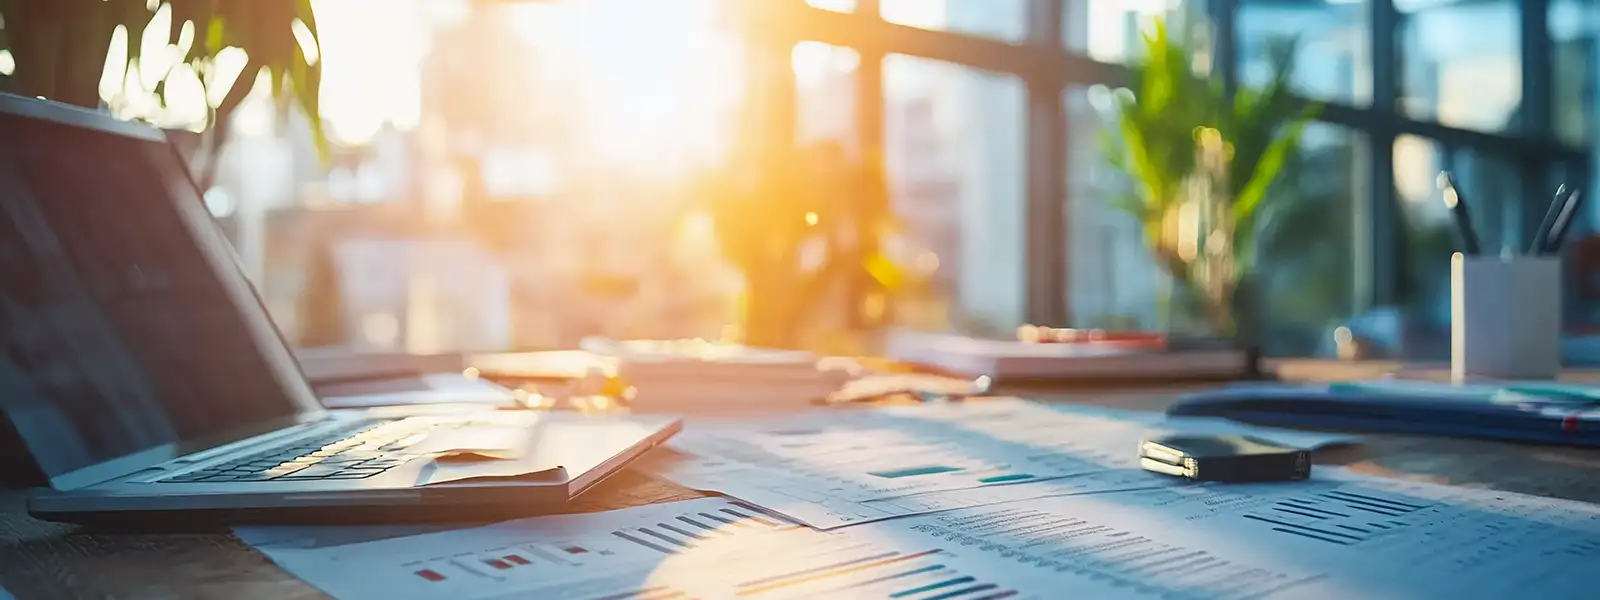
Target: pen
[1458,209]
[1563,222]
[1541,236]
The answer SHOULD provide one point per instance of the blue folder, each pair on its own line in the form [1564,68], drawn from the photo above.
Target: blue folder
[1534,413]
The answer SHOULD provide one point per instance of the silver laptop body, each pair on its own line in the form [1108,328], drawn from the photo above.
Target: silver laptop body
[141,370]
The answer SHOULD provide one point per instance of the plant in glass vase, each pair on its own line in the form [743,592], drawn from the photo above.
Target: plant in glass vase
[1202,161]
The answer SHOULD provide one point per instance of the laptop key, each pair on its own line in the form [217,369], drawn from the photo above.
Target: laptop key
[314,472]
[289,469]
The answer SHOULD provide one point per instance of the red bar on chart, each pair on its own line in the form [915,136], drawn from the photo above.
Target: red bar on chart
[430,575]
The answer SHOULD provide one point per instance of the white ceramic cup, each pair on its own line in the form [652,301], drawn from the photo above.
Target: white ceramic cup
[1505,317]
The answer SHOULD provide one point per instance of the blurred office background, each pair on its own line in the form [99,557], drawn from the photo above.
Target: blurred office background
[520,175]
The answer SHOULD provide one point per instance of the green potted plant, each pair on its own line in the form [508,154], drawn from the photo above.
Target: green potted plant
[1197,154]
[59,49]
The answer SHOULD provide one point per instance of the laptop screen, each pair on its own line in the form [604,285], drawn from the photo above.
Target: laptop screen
[125,326]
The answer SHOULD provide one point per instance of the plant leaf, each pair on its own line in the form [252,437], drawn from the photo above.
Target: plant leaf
[1273,158]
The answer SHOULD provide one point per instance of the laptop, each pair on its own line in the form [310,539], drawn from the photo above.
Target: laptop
[140,369]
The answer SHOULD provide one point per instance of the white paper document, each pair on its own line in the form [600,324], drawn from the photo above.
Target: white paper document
[1329,539]
[706,548]
[833,468]
[1319,540]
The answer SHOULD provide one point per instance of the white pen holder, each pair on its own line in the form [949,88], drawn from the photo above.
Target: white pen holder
[1505,317]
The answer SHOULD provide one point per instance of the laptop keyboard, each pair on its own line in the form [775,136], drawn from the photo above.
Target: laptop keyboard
[356,452]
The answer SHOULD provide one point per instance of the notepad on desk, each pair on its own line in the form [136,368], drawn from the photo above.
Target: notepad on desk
[1015,360]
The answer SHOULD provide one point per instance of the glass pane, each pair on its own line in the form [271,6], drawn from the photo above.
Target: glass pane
[834,5]
[1461,62]
[1308,237]
[1490,184]
[825,82]
[1574,25]
[1000,19]
[586,118]
[1112,283]
[953,153]
[1307,243]
[1108,30]
[1332,62]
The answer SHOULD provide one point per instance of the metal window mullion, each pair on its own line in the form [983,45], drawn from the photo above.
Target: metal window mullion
[1045,232]
[1385,220]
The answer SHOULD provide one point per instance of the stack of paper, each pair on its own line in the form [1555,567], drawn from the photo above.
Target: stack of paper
[1002,359]
[699,377]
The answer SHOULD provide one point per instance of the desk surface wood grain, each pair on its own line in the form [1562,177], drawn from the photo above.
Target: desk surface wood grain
[47,560]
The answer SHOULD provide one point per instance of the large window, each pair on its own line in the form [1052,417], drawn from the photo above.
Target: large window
[987,116]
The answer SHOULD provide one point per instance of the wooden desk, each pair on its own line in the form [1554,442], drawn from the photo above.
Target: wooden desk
[44,560]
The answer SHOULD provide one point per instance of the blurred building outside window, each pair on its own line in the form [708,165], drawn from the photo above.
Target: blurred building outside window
[1332,62]
[1574,29]
[1004,20]
[1461,62]
[954,154]
[1112,282]
[1109,30]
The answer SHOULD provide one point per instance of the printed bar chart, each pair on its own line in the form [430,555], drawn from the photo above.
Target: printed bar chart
[1337,516]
